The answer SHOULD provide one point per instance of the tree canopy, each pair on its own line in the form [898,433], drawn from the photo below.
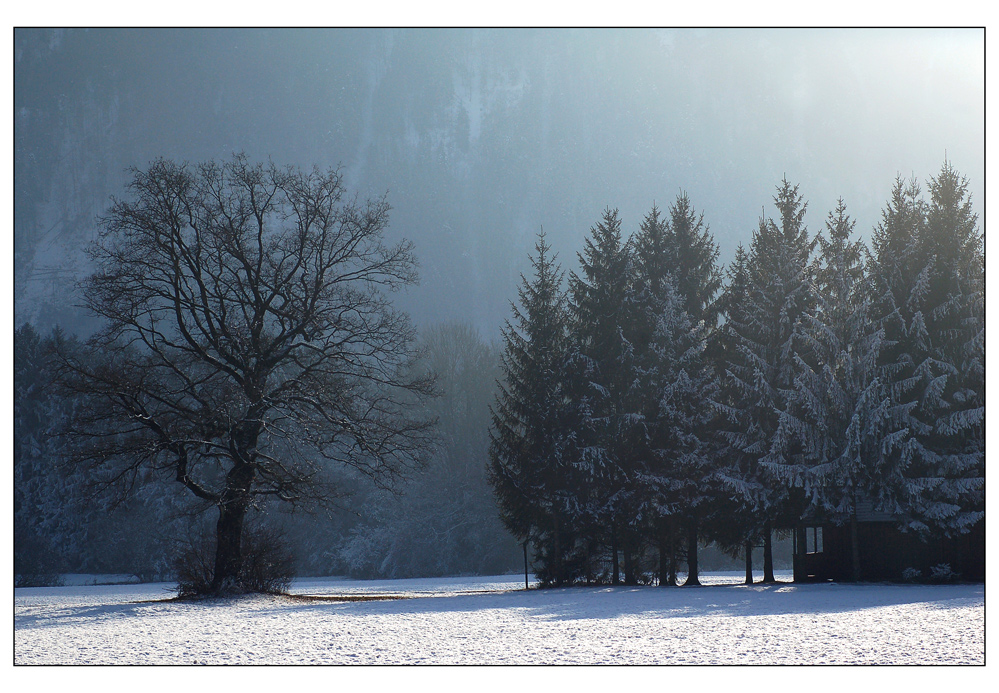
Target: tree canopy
[249,340]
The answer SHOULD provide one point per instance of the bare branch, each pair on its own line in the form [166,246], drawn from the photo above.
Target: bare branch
[249,337]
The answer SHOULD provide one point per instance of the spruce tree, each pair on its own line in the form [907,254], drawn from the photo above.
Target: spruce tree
[761,369]
[676,279]
[838,418]
[601,353]
[927,268]
[954,459]
[676,387]
[692,259]
[650,270]
[647,293]
[737,526]
[529,467]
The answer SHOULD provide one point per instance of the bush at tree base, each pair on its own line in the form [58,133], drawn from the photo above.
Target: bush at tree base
[268,565]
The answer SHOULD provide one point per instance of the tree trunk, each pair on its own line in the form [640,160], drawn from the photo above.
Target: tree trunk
[229,529]
[855,546]
[630,570]
[768,555]
[228,554]
[589,565]
[749,562]
[557,553]
[663,564]
[692,580]
[527,585]
[615,569]
[671,579]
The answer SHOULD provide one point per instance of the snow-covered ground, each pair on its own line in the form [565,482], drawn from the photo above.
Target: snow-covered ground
[493,620]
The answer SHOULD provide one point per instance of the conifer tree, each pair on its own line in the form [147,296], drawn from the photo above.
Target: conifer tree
[692,259]
[894,272]
[737,526]
[529,467]
[762,369]
[36,477]
[650,253]
[646,300]
[676,387]
[928,271]
[838,418]
[953,404]
[601,354]
[675,283]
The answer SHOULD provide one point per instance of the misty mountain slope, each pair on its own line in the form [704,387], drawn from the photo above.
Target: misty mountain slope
[481,137]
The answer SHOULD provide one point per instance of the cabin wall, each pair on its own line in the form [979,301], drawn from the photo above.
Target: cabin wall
[885,553]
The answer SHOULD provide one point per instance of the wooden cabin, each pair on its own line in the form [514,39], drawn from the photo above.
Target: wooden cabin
[823,550]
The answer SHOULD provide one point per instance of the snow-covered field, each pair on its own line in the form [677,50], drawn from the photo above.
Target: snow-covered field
[494,621]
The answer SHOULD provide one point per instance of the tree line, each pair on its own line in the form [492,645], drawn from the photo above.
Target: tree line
[441,521]
[251,358]
[651,401]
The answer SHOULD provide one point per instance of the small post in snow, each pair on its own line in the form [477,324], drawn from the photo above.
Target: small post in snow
[526,585]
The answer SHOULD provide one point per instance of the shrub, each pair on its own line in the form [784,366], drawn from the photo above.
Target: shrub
[193,567]
[38,580]
[268,565]
[36,559]
[943,573]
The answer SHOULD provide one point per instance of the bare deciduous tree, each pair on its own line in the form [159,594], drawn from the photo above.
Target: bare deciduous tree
[249,341]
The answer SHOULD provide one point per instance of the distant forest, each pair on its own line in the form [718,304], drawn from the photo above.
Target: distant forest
[641,406]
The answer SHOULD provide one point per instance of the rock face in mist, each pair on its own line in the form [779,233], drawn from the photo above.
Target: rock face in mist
[477,137]
[437,120]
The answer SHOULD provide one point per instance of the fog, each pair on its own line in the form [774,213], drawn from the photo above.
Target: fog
[479,138]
